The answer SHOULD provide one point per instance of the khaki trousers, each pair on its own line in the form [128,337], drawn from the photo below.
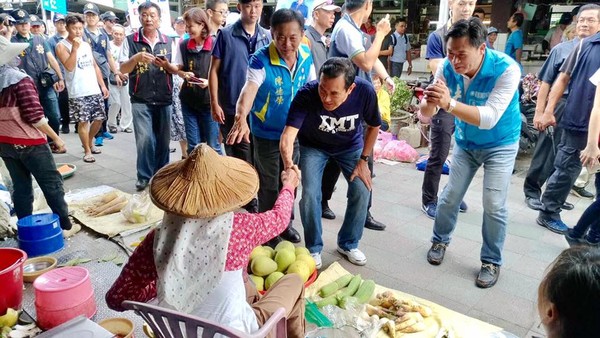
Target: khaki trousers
[288,293]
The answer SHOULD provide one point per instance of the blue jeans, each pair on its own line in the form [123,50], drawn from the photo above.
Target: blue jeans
[312,162]
[49,102]
[200,128]
[498,164]
[24,161]
[152,126]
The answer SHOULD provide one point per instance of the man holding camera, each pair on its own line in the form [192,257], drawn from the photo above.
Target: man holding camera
[39,63]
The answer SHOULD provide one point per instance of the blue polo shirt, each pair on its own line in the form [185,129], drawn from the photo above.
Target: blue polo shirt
[337,131]
[514,42]
[233,47]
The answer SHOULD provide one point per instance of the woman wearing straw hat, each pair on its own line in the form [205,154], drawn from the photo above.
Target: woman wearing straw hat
[195,261]
[23,144]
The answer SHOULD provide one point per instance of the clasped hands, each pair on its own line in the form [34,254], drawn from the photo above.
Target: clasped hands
[437,94]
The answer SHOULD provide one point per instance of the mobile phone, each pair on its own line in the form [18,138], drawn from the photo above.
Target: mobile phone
[161,56]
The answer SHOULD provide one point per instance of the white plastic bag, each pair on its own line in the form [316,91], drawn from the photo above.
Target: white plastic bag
[138,208]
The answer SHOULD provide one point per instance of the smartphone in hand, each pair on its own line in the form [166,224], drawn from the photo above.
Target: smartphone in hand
[162,56]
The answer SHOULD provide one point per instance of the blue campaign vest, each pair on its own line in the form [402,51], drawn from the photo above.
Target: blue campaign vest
[578,108]
[508,128]
[272,103]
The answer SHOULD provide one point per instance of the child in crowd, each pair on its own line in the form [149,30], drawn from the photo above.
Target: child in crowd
[569,295]
[383,101]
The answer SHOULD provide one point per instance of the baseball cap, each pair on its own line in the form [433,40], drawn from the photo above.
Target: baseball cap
[492,30]
[565,19]
[179,19]
[327,5]
[58,17]
[35,20]
[91,8]
[110,15]
[20,16]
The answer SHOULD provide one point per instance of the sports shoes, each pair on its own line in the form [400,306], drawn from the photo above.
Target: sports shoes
[436,253]
[99,142]
[463,207]
[554,225]
[317,257]
[107,135]
[488,275]
[354,256]
[581,192]
[429,209]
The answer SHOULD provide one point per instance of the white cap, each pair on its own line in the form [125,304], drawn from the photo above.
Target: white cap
[327,5]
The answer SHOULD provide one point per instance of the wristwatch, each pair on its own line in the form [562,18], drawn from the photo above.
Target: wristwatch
[365,158]
[451,106]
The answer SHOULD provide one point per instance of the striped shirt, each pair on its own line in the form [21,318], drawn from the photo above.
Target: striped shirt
[20,110]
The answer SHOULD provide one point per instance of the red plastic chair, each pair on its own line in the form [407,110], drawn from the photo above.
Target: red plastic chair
[168,323]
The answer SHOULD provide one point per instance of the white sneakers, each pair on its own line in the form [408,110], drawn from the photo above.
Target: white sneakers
[355,256]
[317,257]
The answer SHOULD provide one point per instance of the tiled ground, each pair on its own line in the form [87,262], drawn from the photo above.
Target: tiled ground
[396,257]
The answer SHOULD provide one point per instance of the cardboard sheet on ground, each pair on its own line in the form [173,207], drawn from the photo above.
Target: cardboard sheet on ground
[109,225]
[462,326]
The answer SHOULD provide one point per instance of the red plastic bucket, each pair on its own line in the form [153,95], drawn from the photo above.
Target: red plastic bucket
[11,278]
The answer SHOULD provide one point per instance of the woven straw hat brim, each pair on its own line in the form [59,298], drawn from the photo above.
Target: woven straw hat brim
[205,184]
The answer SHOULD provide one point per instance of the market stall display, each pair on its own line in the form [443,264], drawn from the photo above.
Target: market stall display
[398,314]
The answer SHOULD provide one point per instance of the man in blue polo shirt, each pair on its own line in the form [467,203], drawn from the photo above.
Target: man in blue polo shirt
[327,116]
[478,86]
[514,44]
[275,73]
[581,64]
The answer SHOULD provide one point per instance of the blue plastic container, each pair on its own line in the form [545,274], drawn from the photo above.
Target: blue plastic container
[40,234]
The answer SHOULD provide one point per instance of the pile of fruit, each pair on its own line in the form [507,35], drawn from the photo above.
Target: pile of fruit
[346,289]
[268,265]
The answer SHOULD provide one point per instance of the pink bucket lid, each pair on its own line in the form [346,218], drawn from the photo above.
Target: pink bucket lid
[61,279]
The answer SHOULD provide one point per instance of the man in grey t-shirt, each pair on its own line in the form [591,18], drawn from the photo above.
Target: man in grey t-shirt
[401,49]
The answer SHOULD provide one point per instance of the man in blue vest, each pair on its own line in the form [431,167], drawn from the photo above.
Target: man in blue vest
[581,64]
[275,74]
[151,92]
[36,61]
[479,86]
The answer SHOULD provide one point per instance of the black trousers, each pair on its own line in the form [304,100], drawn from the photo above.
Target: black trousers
[542,162]
[442,128]
[242,150]
[63,107]
[567,167]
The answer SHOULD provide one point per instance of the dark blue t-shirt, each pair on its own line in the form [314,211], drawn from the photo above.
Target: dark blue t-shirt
[336,131]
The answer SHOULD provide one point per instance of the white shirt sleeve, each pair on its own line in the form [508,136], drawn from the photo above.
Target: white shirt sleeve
[177,58]
[312,74]
[500,97]
[125,51]
[257,76]
[595,79]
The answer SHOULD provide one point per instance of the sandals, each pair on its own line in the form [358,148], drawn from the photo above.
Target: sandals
[95,150]
[89,159]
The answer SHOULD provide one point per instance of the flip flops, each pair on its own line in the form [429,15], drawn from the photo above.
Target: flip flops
[89,159]
[95,150]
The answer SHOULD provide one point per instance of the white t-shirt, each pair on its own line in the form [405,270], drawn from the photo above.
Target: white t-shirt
[595,79]
[82,81]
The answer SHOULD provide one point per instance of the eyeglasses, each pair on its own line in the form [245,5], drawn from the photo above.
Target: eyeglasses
[588,20]
[223,12]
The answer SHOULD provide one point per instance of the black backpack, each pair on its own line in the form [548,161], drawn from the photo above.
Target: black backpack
[395,41]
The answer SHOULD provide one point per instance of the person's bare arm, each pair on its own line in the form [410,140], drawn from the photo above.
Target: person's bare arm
[540,105]
[240,130]
[367,59]
[100,80]
[518,54]
[362,169]
[68,59]
[60,85]
[386,52]
[213,88]
[286,146]
[434,64]
[556,92]
[129,65]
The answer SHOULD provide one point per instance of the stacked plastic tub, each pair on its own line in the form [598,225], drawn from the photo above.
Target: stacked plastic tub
[40,234]
[63,294]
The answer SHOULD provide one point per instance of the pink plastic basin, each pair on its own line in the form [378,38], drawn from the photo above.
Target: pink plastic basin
[11,278]
[48,319]
[63,288]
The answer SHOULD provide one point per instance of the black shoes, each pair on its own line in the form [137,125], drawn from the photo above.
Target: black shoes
[581,192]
[488,275]
[534,203]
[141,184]
[567,206]
[290,234]
[372,224]
[435,255]
[64,130]
[326,212]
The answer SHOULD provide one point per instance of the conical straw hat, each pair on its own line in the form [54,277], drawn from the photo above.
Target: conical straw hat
[205,184]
